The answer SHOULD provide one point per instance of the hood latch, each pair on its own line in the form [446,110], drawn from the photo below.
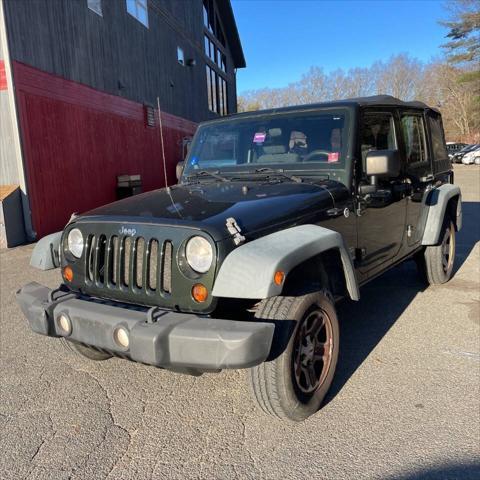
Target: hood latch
[235,231]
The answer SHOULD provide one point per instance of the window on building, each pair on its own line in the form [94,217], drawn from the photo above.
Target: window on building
[211,21]
[215,54]
[216,92]
[211,50]
[214,83]
[139,10]
[208,15]
[95,6]
[414,138]
[223,64]
[205,14]
[225,98]
[209,89]
[221,100]
[180,56]
[214,42]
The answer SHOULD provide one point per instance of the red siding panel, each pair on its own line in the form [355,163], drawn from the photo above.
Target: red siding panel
[76,141]
[3,76]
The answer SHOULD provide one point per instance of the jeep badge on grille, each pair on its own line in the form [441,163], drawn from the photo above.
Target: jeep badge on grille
[123,230]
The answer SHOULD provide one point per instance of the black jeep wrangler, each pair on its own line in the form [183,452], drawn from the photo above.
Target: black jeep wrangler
[277,215]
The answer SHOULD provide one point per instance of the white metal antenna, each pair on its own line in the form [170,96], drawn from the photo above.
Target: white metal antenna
[162,144]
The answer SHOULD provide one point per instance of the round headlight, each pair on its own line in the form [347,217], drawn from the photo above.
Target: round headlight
[199,254]
[75,242]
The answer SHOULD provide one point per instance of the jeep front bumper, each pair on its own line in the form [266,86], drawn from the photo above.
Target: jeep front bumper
[156,337]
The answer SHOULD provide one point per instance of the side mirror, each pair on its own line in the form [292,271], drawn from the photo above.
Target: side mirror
[186,144]
[179,170]
[383,164]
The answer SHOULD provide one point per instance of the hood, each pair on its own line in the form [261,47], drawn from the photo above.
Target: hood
[256,206]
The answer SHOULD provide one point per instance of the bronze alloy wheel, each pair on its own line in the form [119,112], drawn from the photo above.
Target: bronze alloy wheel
[293,384]
[312,351]
[448,249]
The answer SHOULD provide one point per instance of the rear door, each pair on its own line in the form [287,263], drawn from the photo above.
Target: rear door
[416,159]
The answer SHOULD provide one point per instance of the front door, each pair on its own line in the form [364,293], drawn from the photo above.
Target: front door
[381,221]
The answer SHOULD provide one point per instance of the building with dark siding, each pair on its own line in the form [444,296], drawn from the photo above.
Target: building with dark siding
[79,83]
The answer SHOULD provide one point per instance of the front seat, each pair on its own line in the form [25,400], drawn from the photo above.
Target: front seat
[277,154]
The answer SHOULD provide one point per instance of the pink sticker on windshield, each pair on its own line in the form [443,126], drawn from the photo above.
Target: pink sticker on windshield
[259,137]
[333,157]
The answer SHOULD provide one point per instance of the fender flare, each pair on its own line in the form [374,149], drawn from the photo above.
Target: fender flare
[436,203]
[248,271]
[45,255]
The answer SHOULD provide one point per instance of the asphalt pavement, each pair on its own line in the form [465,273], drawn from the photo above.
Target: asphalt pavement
[405,403]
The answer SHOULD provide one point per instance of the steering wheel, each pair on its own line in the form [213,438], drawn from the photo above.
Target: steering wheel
[316,153]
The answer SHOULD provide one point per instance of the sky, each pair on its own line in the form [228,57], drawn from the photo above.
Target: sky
[282,39]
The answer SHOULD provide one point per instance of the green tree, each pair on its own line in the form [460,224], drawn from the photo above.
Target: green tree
[463,49]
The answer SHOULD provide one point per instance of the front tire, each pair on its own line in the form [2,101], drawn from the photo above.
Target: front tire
[439,259]
[293,385]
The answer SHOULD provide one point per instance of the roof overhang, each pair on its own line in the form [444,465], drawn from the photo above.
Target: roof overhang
[231,32]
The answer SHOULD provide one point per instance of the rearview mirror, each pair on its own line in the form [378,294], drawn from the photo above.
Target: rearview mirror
[383,164]
[179,170]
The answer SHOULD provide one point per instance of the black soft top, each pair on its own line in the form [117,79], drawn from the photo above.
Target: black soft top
[376,100]
[381,100]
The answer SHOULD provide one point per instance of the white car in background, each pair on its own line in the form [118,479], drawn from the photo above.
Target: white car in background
[472,157]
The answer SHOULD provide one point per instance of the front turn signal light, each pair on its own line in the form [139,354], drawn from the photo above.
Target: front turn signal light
[279,277]
[199,292]
[68,274]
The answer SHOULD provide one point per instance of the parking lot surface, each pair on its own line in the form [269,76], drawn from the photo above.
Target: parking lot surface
[405,403]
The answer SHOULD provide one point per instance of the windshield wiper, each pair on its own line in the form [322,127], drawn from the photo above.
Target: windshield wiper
[312,172]
[280,172]
[207,173]
[277,172]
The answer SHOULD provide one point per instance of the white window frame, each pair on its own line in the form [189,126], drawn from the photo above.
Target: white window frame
[95,6]
[135,7]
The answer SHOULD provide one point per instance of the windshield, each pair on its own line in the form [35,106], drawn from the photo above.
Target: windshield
[294,141]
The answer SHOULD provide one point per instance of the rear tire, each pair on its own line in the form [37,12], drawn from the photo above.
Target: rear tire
[293,385]
[439,259]
[84,351]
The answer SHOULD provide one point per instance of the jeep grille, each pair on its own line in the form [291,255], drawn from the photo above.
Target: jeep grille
[133,263]
[146,268]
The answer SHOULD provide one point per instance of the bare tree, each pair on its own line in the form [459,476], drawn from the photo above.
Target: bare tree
[361,83]
[436,83]
[455,99]
[313,86]
[399,77]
